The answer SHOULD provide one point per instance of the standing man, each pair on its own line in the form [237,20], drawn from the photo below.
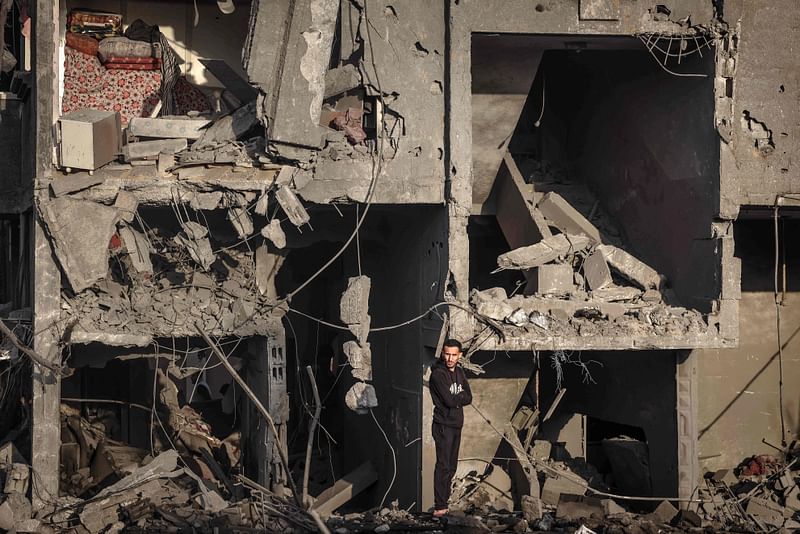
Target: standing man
[450,392]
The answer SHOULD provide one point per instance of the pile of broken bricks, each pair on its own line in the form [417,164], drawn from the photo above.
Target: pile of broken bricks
[577,284]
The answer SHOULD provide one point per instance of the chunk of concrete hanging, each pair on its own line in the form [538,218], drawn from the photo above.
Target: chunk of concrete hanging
[286,54]
[63,185]
[274,233]
[127,203]
[563,216]
[354,307]
[360,359]
[267,266]
[138,249]
[195,239]
[292,206]
[631,268]
[262,204]
[241,221]
[205,201]
[542,252]
[596,271]
[81,232]
[361,397]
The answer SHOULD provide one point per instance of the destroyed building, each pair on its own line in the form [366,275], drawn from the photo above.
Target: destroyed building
[243,230]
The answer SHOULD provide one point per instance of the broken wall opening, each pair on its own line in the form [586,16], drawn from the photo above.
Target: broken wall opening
[632,148]
[403,252]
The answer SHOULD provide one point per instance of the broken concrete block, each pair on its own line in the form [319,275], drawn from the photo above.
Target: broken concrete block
[164,163]
[540,320]
[792,499]
[518,317]
[267,266]
[205,201]
[726,476]
[291,206]
[531,508]
[631,268]
[616,293]
[360,359]
[554,487]
[554,279]
[494,309]
[126,202]
[596,271]
[542,252]
[167,128]
[577,507]
[240,218]
[612,508]
[541,449]
[81,232]
[563,216]
[230,127]
[652,295]
[195,239]
[274,233]
[687,517]
[63,185]
[354,307]
[138,249]
[262,205]
[663,514]
[17,476]
[145,149]
[361,397]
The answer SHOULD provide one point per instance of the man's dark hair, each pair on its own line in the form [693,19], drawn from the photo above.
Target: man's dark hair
[453,343]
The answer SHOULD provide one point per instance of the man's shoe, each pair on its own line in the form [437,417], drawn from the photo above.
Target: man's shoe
[440,513]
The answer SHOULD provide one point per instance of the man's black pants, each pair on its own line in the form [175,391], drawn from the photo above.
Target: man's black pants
[448,440]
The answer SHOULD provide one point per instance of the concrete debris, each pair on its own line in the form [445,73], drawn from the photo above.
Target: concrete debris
[354,307]
[205,201]
[341,79]
[267,266]
[632,269]
[360,359]
[126,203]
[241,220]
[81,231]
[553,279]
[151,149]
[596,271]
[231,127]
[563,216]
[361,397]
[542,252]
[292,206]
[274,233]
[195,239]
[138,248]
[167,128]
[64,185]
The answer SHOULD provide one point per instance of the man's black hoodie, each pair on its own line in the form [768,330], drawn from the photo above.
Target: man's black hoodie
[449,391]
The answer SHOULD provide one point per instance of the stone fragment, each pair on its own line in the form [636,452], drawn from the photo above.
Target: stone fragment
[126,202]
[616,293]
[81,231]
[688,518]
[138,249]
[631,268]
[240,218]
[725,475]
[766,511]
[792,499]
[539,320]
[554,279]
[652,295]
[205,201]
[144,149]
[274,233]
[518,318]
[544,251]
[663,514]
[361,397]
[596,271]
[291,206]
[63,185]
[563,216]
[531,508]
[354,307]
[262,205]
[612,508]
[554,487]
[360,359]
[267,266]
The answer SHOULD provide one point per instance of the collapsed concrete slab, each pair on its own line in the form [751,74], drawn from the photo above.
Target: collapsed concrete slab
[81,232]
[291,206]
[195,238]
[631,268]
[138,249]
[542,252]
[563,216]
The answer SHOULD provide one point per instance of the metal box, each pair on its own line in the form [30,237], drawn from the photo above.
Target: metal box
[89,138]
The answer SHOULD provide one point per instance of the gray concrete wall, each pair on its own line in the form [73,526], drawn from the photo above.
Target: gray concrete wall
[738,388]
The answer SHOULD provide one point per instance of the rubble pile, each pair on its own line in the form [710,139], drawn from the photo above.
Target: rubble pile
[580,281]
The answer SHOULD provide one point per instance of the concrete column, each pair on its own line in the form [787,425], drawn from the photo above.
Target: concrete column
[686,413]
[46,428]
[459,162]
